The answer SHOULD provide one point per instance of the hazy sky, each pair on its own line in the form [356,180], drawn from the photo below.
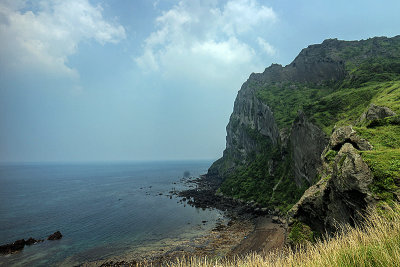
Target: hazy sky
[150,80]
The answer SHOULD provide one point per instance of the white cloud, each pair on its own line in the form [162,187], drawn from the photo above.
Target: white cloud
[208,40]
[241,16]
[42,39]
[266,47]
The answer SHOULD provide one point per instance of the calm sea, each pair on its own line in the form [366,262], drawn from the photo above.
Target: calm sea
[101,209]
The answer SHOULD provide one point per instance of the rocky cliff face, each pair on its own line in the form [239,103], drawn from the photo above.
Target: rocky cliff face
[275,151]
[249,114]
[343,194]
[307,142]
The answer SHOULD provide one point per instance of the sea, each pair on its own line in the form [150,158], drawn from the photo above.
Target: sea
[103,210]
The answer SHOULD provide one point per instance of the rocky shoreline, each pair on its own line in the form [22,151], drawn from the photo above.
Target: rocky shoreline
[250,228]
[204,196]
[19,245]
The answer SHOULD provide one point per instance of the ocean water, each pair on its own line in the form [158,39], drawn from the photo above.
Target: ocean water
[102,210]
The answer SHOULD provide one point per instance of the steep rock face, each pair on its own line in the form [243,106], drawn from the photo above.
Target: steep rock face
[342,195]
[307,142]
[250,117]
[249,114]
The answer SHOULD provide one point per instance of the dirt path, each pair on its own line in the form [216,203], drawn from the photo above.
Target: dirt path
[267,236]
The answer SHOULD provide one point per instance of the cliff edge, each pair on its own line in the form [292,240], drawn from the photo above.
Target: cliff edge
[318,139]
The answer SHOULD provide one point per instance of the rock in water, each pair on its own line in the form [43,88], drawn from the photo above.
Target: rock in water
[32,241]
[10,248]
[56,236]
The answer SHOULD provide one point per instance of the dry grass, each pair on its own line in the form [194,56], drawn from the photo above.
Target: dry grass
[376,243]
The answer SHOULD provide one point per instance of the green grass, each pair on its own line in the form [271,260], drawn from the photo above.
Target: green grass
[385,137]
[285,99]
[385,166]
[389,96]
[300,234]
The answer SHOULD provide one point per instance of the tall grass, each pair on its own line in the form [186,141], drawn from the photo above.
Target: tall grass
[375,243]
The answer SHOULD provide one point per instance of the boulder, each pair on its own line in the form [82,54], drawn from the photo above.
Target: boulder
[346,134]
[375,112]
[275,219]
[56,236]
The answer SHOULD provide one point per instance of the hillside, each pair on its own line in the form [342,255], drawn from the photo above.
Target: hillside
[327,123]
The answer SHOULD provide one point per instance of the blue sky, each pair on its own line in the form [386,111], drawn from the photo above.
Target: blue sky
[150,80]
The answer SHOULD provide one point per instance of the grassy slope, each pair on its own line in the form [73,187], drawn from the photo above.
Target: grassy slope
[376,80]
[377,243]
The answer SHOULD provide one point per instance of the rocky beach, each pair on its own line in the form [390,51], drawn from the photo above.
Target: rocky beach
[246,228]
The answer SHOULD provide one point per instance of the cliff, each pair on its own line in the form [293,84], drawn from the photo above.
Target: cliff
[314,137]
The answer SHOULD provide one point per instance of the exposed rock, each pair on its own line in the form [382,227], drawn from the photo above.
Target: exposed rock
[250,115]
[55,236]
[18,245]
[307,143]
[32,241]
[340,197]
[14,247]
[275,219]
[346,134]
[375,113]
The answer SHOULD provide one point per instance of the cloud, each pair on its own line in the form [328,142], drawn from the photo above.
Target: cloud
[266,47]
[203,40]
[42,35]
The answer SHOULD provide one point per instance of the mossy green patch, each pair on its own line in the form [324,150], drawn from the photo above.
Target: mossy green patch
[330,155]
[300,233]
[385,166]
[285,99]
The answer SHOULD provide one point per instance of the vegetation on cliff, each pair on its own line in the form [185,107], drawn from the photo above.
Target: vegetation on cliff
[367,72]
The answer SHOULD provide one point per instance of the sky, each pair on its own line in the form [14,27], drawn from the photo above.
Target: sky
[135,80]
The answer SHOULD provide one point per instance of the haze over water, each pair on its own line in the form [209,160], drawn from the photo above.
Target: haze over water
[102,209]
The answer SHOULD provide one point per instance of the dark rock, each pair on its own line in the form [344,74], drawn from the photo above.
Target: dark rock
[307,142]
[32,241]
[14,247]
[56,236]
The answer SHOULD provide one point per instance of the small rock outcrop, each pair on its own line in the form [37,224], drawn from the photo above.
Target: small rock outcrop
[375,112]
[342,194]
[344,135]
[17,245]
[55,236]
